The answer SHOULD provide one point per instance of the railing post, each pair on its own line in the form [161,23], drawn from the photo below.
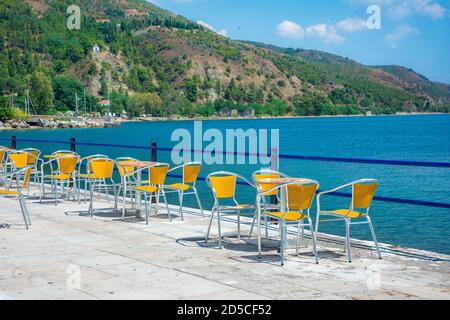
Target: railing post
[13,142]
[274,165]
[153,152]
[72,144]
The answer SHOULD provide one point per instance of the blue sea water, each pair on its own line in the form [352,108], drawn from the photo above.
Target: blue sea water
[419,138]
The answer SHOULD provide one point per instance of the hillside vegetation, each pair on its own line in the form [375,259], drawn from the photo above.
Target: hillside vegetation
[154,62]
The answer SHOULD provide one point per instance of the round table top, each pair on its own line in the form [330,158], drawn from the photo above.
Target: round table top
[136,164]
[277,181]
[54,156]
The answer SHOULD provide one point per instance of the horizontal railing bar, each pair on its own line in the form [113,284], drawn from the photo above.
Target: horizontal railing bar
[376,198]
[281,156]
[109,145]
[369,161]
[247,154]
[42,141]
[334,159]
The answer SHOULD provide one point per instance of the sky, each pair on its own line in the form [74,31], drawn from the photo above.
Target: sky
[410,33]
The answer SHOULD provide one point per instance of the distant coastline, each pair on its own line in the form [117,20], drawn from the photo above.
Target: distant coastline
[218,118]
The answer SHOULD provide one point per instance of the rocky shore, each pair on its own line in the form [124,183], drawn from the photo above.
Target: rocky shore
[67,124]
[50,124]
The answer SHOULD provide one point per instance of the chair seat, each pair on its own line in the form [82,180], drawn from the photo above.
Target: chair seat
[289,216]
[344,213]
[61,176]
[8,193]
[239,207]
[147,189]
[179,186]
[87,176]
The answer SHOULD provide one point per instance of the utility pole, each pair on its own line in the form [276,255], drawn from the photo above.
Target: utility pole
[84,98]
[76,103]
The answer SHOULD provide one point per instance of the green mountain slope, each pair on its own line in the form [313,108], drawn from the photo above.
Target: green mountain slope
[153,61]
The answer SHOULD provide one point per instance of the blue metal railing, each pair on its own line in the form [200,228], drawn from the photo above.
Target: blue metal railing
[424,203]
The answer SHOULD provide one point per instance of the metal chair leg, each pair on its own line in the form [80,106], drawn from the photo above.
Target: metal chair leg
[146,208]
[374,237]
[347,238]
[218,226]
[282,233]
[313,238]
[199,202]
[239,225]
[167,205]
[253,225]
[21,203]
[210,223]
[181,205]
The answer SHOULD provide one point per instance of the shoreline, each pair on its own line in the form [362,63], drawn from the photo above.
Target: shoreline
[217,118]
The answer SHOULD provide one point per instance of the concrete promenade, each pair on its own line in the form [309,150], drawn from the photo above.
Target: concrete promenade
[68,255]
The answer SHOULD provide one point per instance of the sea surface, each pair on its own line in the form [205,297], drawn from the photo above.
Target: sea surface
[418,138]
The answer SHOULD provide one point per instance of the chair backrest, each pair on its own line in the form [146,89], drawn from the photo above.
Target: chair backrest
[2,155]
[223,184]
[90,158]
[102,168]
[191,172]
[34,155]
[363,193]
[67,164]
[158,174]
[266,186]
[301,196]
[26,179]
[259,175]
[125,169]
[64,152]
[19,159]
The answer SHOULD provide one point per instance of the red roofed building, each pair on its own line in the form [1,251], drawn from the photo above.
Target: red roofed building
[104,103]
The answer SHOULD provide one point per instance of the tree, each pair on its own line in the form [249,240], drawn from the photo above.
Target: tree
[65,88]
[192,88]
[141,103]
[41,92]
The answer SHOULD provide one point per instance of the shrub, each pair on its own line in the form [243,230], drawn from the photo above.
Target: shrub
[6,113]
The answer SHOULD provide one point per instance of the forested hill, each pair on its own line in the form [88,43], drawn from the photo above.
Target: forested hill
[155,62]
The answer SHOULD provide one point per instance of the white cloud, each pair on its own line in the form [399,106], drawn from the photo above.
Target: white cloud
[400,33]
[399,9]
[322,31]
[289,29]
[222,32]
[325,32]
[351,25]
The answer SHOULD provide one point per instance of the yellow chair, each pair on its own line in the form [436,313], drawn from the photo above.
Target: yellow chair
[3,151]
[21,159]
[187,186]
[154,187]
[33,161]
[295,203]
[65,174]
[85,174]
[223,186]
[100,170]
[127,177]
[363,192]
[6,192]
[259,176]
